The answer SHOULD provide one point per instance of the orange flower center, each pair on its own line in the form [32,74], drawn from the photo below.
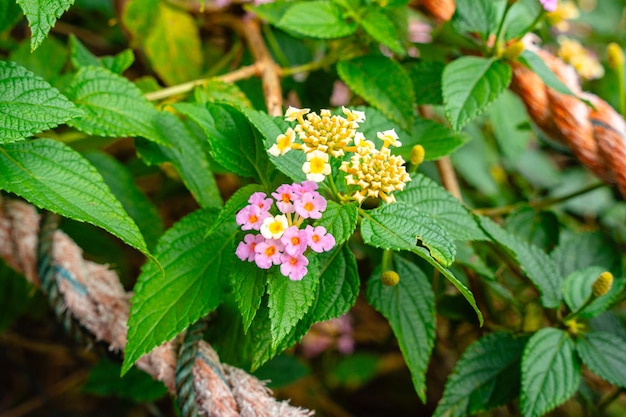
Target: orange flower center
[253,219]
[270,251]
[293,261]
[315,238]
[309,206]
[295,241]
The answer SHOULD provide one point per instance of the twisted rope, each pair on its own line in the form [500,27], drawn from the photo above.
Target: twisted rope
[596,135]
[89,296]
[185,397]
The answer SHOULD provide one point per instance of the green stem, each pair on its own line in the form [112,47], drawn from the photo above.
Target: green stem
[308,67]
[540,204]
[496,44]
[386,261]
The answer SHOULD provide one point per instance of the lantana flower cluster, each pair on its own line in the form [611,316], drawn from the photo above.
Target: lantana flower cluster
[284,237]
[376,172]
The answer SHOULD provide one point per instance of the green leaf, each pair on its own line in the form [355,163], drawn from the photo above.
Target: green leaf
[173,45]
[113,106]
[338,287]
[234,142]
[269,128]
[582,250]
[535,63]
[538,266]
[54,177]
[104,380]
[550,371]
[48,61]
[28,104]
[166,302]
[605,354]
[248,286]
[290,300]
[476,16]
[426,77]
[123,187]
[540,228]
[169,37]
[10,13]
[80,56]
[339,220]
[431,198]
[380,27]
[399,226]
[520,18]
[272,12]
[42,15]
[438,140]
[383,83]
[235,203]
[470,84]
[577,288]
[190,158]
[320,19]
[487,375]
[216,90]
[15,295]
[507,115]
[410,309]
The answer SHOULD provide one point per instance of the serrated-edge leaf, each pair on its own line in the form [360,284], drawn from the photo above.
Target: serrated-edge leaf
[54,177]
[383,83]
[550,371]
[428,196]
[399,226]
[123,186]
[605,354]
[339,220]
[479,16]
[410,309]
[28,104]
[248,286]
[290,300]
[190,159]
[42,15]
[166,302]
[380,27]
[338,287]
[576,287]
[537,265]
[469,84]
[478,367]
[113,106]
[320,19]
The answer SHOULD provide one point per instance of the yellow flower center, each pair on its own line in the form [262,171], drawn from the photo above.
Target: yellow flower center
[276,227]
[317,165]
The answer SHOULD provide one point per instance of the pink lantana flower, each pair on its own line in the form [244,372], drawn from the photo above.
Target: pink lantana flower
[251,217]
[245,250]
[261,200]
[310,205]
[319,240]
[549,5]
[294,266]
[268,253]
[295,240]
[285,196]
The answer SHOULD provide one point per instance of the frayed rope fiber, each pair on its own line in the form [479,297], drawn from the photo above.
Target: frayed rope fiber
[91,297]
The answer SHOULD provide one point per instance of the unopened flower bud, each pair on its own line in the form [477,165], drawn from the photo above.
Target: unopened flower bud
[603,284]
[514,50]
[417,155]
[390,278]
[575,327]
[615,55]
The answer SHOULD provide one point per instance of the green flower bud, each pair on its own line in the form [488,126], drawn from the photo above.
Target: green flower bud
[390,278]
